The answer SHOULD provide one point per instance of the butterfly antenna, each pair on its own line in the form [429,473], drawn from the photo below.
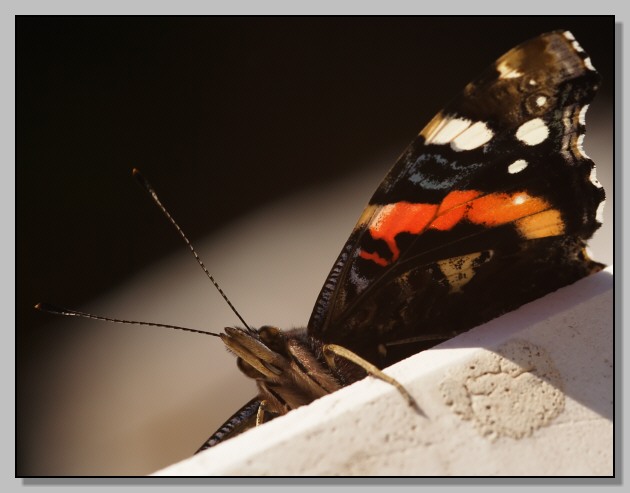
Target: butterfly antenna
[147,186]
[55,310]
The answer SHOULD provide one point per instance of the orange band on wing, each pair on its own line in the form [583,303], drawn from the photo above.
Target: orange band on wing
[453,209]
[401,217]
[488,210]
[501,208]
[374,257]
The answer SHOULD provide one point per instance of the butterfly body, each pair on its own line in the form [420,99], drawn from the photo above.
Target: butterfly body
[488,208]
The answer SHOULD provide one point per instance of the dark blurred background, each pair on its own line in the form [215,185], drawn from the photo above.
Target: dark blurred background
[225,116]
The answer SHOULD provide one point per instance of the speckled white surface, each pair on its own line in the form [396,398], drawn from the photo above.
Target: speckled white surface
[529,393]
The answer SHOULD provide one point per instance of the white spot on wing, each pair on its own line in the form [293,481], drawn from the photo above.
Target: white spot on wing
[593,178]
[599,215]
[507,72]
[517,166]
[580,148]
[582,115]
[519,199]
[577,46]
[447,130]
[473,137]
[532,132]
[541,100]
[588,64]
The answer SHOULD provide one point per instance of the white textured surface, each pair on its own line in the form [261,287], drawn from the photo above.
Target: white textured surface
[529,393]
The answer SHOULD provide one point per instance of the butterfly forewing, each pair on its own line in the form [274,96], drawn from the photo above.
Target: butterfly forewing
[486,210]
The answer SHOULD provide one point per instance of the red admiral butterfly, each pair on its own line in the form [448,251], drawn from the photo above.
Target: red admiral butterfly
[487,209]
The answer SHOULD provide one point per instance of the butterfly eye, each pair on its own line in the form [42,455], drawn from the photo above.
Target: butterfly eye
[271,336]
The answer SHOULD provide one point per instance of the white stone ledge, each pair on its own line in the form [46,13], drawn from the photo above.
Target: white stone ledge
[529,393]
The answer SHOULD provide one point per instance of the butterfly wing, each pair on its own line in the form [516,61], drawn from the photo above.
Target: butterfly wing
[242,420]
[487,209]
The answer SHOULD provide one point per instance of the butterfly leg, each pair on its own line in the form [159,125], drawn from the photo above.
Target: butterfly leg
[332,350]
[260,414]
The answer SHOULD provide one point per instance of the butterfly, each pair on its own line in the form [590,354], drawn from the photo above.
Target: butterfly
[487,209]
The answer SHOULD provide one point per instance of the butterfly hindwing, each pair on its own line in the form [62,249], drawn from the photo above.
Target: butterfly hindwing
[487,209]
